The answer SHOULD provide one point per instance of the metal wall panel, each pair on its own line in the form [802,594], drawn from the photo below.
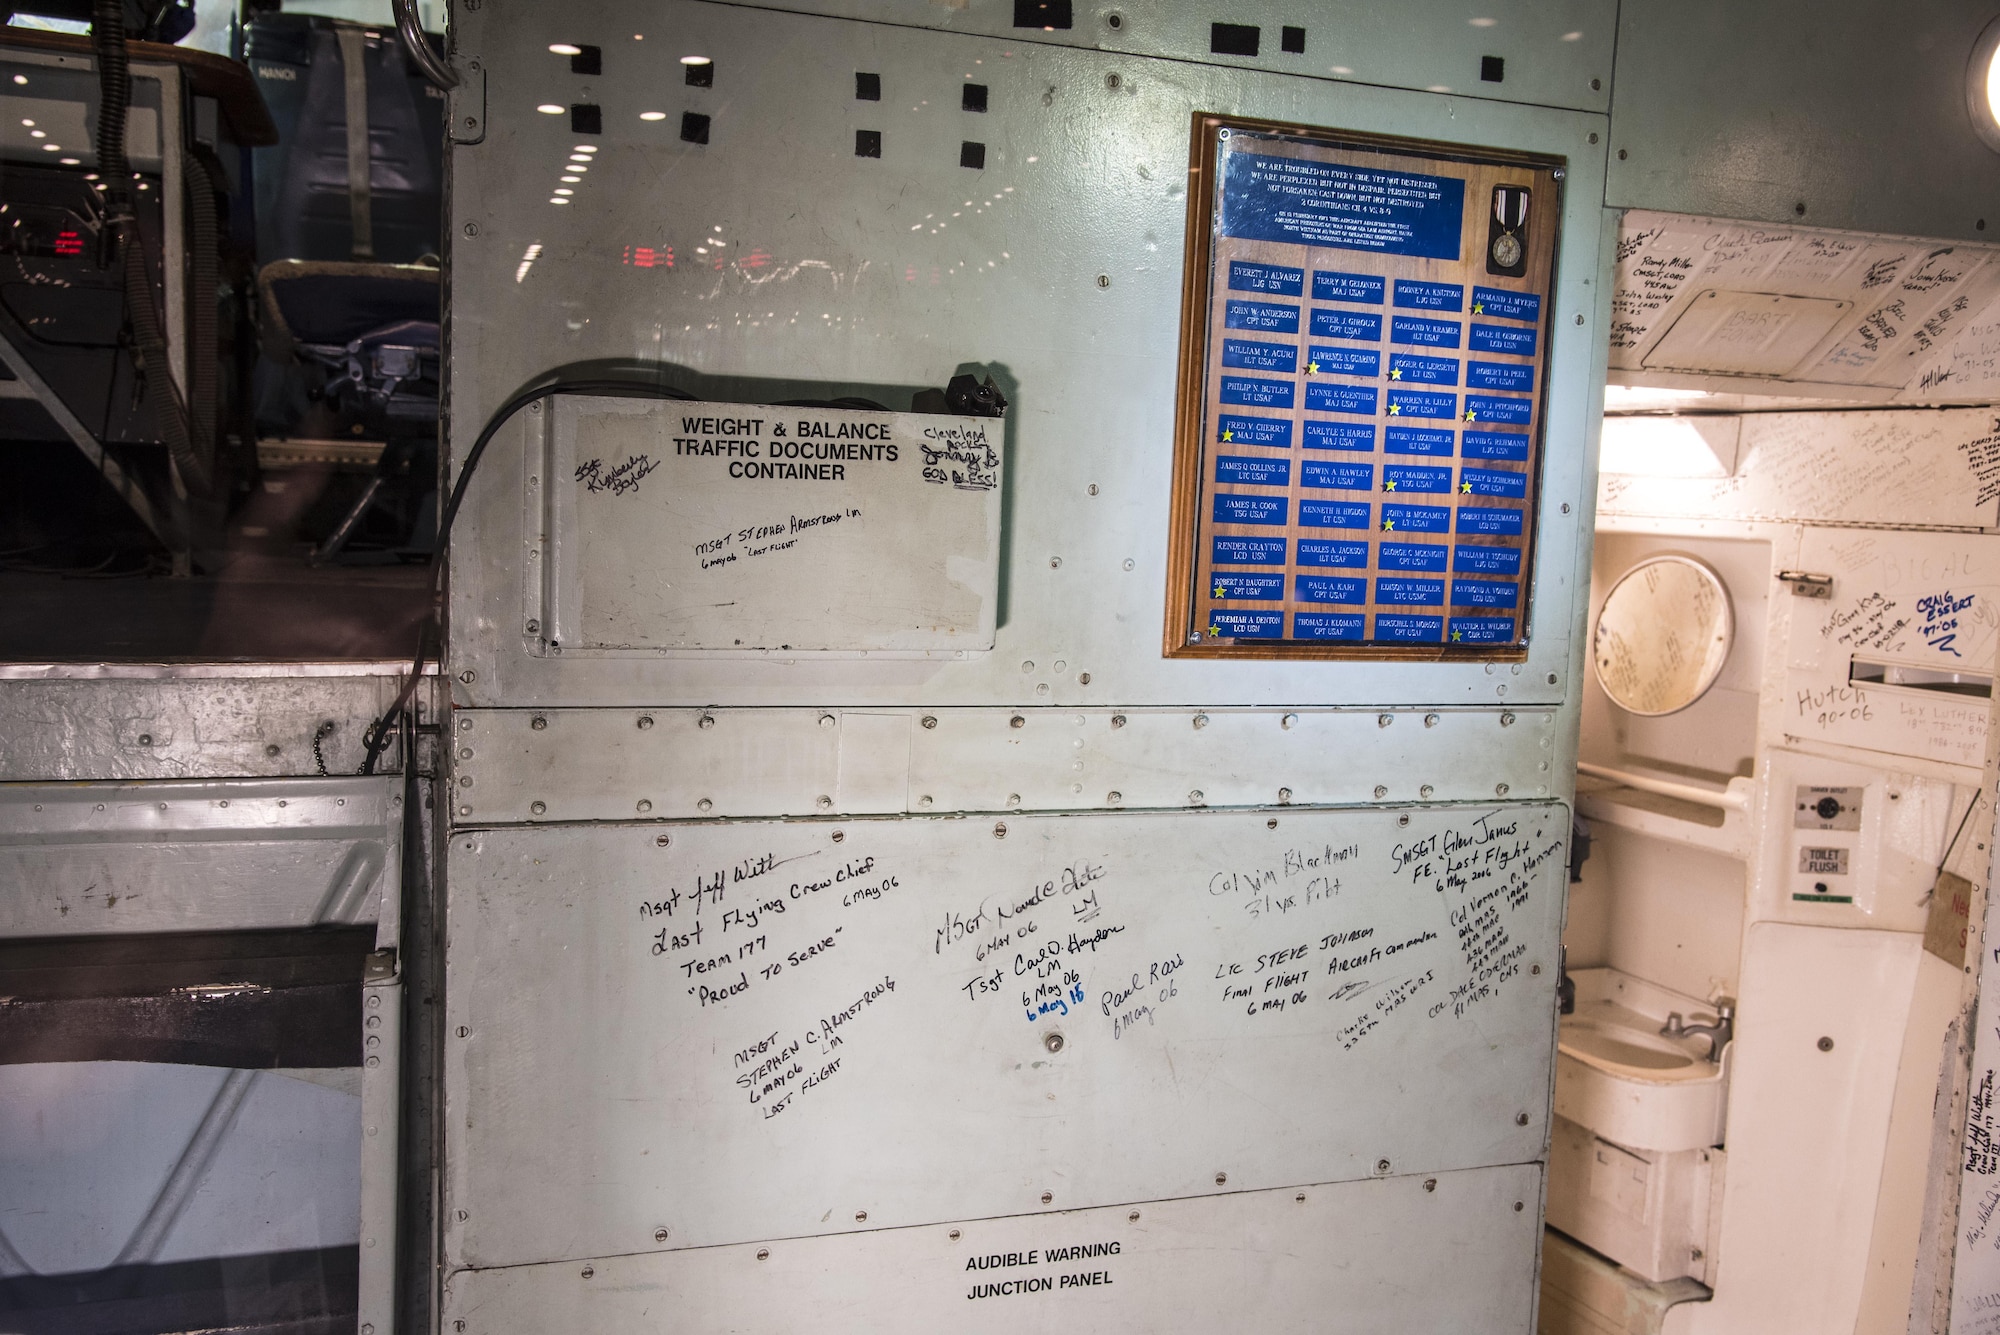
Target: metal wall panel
[881,1023]
[1349,1256]
[798,268]
[1836,115]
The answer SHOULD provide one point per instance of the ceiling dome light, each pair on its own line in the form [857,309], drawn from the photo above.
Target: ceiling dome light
[696,60]
[550,109]
[1982,86]
[652,115]
[565,49]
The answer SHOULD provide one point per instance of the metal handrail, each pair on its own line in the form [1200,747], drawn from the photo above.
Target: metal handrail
[1728,800]
[412,32]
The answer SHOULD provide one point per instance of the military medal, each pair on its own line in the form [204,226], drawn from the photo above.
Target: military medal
[1510,213]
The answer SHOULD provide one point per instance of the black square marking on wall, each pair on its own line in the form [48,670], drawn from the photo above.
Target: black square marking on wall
[694,127]
[867,143]
[1234,39]
[1293,40]
[586,118]
[1041,13]
[867,88]
[1492,69]
[974,97]
[972,155]
[587,60]
[701,74]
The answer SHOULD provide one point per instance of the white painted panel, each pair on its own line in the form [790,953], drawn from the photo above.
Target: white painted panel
[1451,1253]
[1924,601]
[887,1023]
[1808,1124]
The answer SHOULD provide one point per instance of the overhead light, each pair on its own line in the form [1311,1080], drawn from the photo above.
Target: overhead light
[586,148]
[652,115]
[565,49]
[70,162]
[570,180]
[51,148]
[696,60]
[20,78]
[1982,86]
[550,109]
[564,191]
[557,200]
[30,124]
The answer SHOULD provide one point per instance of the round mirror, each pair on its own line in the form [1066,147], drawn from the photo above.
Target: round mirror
[1662,635]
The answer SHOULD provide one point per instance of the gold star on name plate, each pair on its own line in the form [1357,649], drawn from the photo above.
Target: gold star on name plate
[1312,368]
[1389,484]
[1395,373]
[1465,487]
[1395,410]
[1215,630]
[1458,635]
[1388,526]
[1227,434]
[1471,416]
[1221,591]
[1479,308]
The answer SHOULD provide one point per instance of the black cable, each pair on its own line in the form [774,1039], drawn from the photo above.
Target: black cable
[376,739]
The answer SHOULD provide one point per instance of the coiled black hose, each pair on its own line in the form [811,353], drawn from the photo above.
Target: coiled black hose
[190,452]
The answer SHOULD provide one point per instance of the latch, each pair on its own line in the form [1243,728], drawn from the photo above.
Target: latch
[379,967]
[1807,585]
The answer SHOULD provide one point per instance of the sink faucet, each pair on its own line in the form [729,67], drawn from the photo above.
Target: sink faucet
[1717,1034]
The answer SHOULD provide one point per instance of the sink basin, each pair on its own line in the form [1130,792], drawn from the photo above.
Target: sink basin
[1617,1074]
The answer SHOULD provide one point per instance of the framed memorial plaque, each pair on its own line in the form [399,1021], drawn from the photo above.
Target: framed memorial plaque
[1364,341]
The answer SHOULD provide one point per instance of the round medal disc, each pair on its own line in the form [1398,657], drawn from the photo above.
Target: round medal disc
[1506,250]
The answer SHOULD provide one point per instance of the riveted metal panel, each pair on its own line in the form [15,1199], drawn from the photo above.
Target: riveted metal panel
[770,262]
[182,856]
[620,764]
[1339,1256]
[705,1034]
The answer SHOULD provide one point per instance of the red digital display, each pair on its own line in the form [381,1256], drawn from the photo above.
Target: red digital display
[650,257]
[69,244]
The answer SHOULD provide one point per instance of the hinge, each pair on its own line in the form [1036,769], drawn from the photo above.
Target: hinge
[1807,585]
[380,966]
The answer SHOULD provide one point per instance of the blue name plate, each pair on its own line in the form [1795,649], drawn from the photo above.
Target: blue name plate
[1256,393]
[1247,552]
[1358,287]
[1340,435]
[1500,375]
[1260,356]
[1343,361]
[1496,445]
[1247,625]
[1332,514]
[1484,593]
[1506,305]
[1343,477]
[1249,509]
[1499,338]
[1351,325]
[1253,472]
[1486,408]
[1482,630]
[1402,627]
[1236,430]
[1417,519]
[1481,519]
[1321,398]
[1409,477]
[1483,560]
[1414,295]
[1330,589]
[1410,592]
[1261,316]
[1275,279]
[1305,203]
[1325,626]
[1415,440]
[1495,482]
[1261,588]
[1415,370]
[1423,333]
[1411,556]
[1339,555]
[1421,403]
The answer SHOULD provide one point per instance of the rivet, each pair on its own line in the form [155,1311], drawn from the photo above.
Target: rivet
[929,720]
[823,802]
[1552,679]
[763,1253]
[1284,797]
[468,676]
[924,801]
[860,1216]
[1092,489]
[463,1216]
[1381,1165]
[1289,721]
[1384,720]
[1083,679]
[472,229]
[465,811]
[704,805]
[826,720]
[1117,720]
[1013,799]
[1506,720]
[1826,1045]
[645,805]
[538,723]
[465,781]
[1221,1178]
[145,739]
[589,1271]
[538,807]
[954,1235]
[272,749]
[1132,1218]
[1027,666]
[1111,81]
[1430,1184]
[1194,797]
[1425,790]
[1500,790]
[705,721]
[1053,1042]
[1519,1206]
[1201,720]
[1114,797]
[839,835]
[1381,790]
[659,1235]
[645,722]
[1565,507]
[1271,824]
[464,1032]
[1300,1198]
[1535,969]
[1403,819]
[1000,830]
[1579,319]
[1128,563]
[1048,1197]
[1104,280]
[1055,563]
[1520,1119]
[662,840]
[465,725]
[1017,722]
[534,628]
